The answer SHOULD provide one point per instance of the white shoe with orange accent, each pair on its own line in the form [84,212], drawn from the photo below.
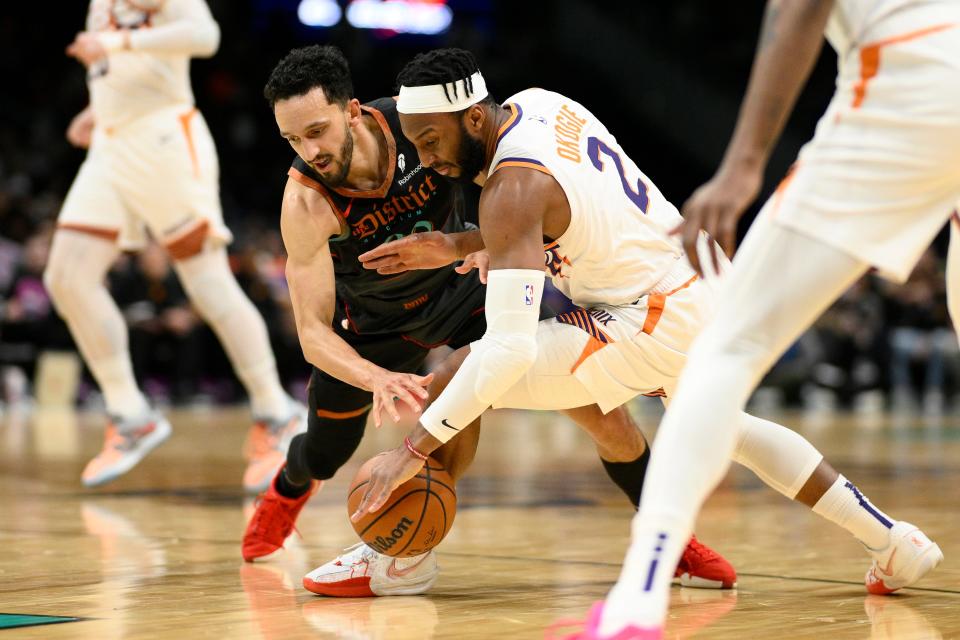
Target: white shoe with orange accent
[126,443]
[266,447]
[909,556]
[362,572]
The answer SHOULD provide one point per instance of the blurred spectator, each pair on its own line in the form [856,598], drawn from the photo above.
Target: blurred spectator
[921,336]
[28,323]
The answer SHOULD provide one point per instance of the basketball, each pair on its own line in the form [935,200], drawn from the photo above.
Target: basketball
[416,516]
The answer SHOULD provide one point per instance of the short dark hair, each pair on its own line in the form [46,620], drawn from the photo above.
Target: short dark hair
[441,66]
[305,69]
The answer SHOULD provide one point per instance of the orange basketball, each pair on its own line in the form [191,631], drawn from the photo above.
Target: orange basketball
[416,516]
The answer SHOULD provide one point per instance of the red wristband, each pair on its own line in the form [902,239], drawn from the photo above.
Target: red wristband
[412,449]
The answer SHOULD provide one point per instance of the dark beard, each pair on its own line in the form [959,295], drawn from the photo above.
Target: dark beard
[346,157]
[471,158]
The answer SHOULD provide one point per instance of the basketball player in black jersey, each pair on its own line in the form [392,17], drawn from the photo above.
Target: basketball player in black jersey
[357,183]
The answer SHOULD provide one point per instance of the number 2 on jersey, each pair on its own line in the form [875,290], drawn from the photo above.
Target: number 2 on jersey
[596,146]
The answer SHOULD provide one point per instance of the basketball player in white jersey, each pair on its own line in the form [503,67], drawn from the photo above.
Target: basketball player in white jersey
[872,189]
[552,172]
[152,166]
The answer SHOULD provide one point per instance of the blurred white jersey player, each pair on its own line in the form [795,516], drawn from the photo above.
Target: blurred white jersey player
[152,167]
[872,189]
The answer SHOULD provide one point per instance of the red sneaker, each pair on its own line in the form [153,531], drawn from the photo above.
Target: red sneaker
[700,566]
[273,521]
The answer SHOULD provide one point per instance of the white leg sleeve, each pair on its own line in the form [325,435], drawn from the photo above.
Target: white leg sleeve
[782,458]
[75,279]
[218,299]
[762,309]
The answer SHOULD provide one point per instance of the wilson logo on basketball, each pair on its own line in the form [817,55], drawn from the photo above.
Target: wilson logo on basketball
[382,544]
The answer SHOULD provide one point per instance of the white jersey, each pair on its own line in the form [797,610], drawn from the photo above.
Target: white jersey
[617,246]
[154,72]
[857,22]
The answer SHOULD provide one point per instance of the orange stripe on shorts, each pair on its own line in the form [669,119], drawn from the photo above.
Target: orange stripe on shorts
[655,304]
[185,119]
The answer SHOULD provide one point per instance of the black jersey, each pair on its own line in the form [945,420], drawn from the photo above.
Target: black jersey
[412,199]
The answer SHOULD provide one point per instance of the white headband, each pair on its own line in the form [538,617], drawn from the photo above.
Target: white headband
[433,98]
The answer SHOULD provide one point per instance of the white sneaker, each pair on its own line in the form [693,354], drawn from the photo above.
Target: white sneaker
[909,556]
[126,444]
[266,447]
[362,572]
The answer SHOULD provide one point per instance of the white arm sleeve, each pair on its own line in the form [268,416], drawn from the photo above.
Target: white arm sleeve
[190,30]
[496,361]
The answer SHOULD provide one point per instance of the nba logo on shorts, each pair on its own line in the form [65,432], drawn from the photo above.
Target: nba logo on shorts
[528,294]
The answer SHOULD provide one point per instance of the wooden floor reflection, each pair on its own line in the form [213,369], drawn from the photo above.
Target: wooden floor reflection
[539,536]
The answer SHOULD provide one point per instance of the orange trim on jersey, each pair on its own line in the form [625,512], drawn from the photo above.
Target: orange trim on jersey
[188,134]
[593,345]
[955,217]
[188,241]
[524,165]
[310,183]
[98,232]
[870,58]
[342,415]
[655,304]
[381,191]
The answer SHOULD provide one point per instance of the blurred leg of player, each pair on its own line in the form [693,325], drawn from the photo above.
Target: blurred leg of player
[702,423]
[75,277]
[217,297]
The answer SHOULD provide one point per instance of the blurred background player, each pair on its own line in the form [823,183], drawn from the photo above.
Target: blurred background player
[367,327]
[152,165]
[872,189]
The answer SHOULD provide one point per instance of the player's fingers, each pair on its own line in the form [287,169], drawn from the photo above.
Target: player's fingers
[689,235]
[385,249]
[483,268]
[395,267]
[727,232]
[423,381]
[404,396]
[377,408]
[714,257]
[364,502]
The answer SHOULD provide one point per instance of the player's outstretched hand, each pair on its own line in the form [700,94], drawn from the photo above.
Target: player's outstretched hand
[388,387]
[715,208]
[479,260]
[393,469]
[426,250]
[86,48]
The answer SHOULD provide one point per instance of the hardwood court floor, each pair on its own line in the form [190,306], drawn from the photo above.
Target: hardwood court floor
[539,536]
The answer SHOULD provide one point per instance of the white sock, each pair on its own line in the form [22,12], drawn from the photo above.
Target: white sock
[844,505]
[647,571]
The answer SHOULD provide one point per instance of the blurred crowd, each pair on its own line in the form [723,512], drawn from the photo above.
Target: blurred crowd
[880,346]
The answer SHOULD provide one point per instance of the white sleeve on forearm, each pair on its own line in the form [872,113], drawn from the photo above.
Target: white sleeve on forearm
[192,31]
[496,361]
